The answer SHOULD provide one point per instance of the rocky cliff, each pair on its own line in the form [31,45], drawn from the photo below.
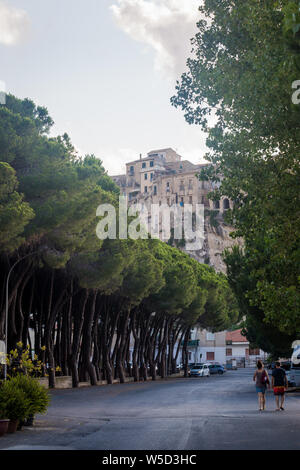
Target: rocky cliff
[217,238]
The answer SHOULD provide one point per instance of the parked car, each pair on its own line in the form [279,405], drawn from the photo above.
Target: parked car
[216,369]
[192,365]
[289,378]
[201,370]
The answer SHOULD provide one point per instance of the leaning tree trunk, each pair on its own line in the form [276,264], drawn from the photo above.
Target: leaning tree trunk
[121,348]
[49,335]
[135,366]
[78,323]
[87,340]
[185,352]
[105,342]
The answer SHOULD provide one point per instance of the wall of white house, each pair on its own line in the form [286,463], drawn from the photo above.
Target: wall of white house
[219,352]
[239,350]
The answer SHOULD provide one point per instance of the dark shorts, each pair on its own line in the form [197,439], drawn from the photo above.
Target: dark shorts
[261,389]
[278,390]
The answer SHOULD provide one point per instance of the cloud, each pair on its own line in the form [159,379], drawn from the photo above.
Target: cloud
[114,160]
[165,25]
[14,24]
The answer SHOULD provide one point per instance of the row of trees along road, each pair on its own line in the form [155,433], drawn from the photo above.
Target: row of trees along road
[88,300]
[238,88]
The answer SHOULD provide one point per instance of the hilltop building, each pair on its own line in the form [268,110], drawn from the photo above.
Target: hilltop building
[163,177]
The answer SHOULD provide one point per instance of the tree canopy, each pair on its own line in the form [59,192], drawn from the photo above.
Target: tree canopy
[85,298]
[238,88]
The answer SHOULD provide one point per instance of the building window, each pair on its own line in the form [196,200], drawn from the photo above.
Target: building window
[146,189]
[154,190]
[168,186]
[152,163]
[217,205]
[210,356]
[226,204]
[228,352]
[144,165]
[131,170]
[210,336]
[146,176]
[151,176]
[191,200]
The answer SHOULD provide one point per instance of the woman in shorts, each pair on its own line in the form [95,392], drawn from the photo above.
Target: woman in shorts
[261,379]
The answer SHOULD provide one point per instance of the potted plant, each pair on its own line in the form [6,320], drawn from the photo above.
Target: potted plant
[3,424]
[14,404]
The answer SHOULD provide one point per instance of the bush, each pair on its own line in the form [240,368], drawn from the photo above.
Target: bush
[19,361]
[14,403]
[38,397]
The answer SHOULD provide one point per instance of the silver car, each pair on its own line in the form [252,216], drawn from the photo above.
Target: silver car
[200,371]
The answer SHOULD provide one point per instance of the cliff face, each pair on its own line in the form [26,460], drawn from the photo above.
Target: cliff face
[217,238]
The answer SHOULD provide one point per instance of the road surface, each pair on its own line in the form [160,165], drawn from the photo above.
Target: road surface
[219,412]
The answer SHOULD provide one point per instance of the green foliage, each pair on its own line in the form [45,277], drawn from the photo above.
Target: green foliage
[242,70]
[15,214]
[120,282]
[38,397]
[19,362]
[62,191]
[259,330]
[14,403]
[291,29]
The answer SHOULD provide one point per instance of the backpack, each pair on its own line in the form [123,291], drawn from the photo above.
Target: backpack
[264,378]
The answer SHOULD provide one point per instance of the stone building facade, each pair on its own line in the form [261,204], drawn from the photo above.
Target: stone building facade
[164,177]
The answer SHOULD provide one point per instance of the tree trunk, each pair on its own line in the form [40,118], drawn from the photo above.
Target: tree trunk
[87,340]
[78,323]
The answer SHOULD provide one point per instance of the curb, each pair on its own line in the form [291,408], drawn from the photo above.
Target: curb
[67,382]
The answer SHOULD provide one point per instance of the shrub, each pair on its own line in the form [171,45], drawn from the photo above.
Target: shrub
[14,403]
[38,397]
[19,361]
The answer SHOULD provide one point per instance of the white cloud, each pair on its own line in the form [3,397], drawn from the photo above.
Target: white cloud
[14,24]
[114,160]
[165,25]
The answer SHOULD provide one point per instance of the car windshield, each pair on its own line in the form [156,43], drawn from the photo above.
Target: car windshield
[197,367]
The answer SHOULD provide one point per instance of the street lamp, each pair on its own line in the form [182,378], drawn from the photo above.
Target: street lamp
[6,305]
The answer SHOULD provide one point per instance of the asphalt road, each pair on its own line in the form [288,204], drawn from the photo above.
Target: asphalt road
[219,412]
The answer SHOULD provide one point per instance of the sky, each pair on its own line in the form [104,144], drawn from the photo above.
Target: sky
[105,70]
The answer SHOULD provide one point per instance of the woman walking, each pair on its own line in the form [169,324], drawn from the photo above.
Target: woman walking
[261,379]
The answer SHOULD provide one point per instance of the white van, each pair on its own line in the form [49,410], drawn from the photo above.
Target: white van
[294,373]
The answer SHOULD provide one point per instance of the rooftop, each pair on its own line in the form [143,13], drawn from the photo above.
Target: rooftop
[236,336]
